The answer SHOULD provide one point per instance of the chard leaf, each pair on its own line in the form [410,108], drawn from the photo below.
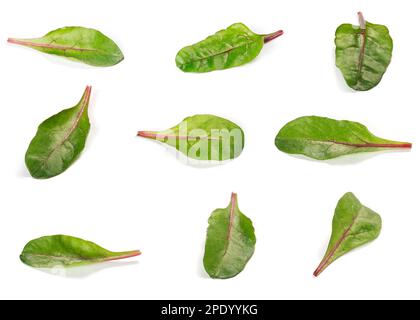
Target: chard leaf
[66,251]
[202,137]
[77,43]
[323,138]
[228,48]
[353,225]
[363,53]
[230,242]
[59,141]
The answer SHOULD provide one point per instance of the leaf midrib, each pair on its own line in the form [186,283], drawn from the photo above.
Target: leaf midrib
[71,130]
[76,259]
[326,261]
[230,229]
[358,145]
[223,52]
[160,136]
[361,54]
[50,46]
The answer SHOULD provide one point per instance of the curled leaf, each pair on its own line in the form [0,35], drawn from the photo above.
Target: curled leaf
[228,48]
[353,225]
[59,140]
[66,251]
[230,242]
[77,43]
[323,138]
[363,53]
[202,137]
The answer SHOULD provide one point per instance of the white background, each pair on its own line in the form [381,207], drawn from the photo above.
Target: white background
[129,193]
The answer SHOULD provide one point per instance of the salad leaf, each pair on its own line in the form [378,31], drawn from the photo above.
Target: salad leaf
[363,53]
[353,225]
[230,242]
[67,251]
[323,138]
[202,137]
[59,140]
[85,45]
[228,48]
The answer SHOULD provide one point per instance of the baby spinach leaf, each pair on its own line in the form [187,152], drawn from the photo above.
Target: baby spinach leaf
[230,242]
[228,48]
[202,137]
[59,141]
[353,225]
[77,43]
[323,138]
[363,53]
[66,251]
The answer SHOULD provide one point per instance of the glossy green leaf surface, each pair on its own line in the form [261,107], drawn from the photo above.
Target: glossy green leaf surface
[353,225]
[59,141]
[202,137]
[363,53]
[228,48]
[323,138]
[85,45]
[67,251]
[230,242]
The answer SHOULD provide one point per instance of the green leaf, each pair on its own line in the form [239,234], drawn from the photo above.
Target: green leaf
[66,251]
[77,43]
[363,53]
[353,225]
[230,242]
[323,138]
[227,48]
[202,137]
[59,141]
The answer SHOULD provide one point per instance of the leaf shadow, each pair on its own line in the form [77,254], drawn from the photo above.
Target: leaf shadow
[82,272]
[199,164]
[349,159]
[200,270]
[323,248]
[56,59]
[22,172]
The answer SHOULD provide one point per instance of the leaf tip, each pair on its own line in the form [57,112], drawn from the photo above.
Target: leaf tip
[146,134]
[129,254]
[17,42]
[88,90]
[322,266]
[316,273]
[408,145]
[272,36]
[362,21]
[135,253]
[132,254]
[86,95]
[234,197]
